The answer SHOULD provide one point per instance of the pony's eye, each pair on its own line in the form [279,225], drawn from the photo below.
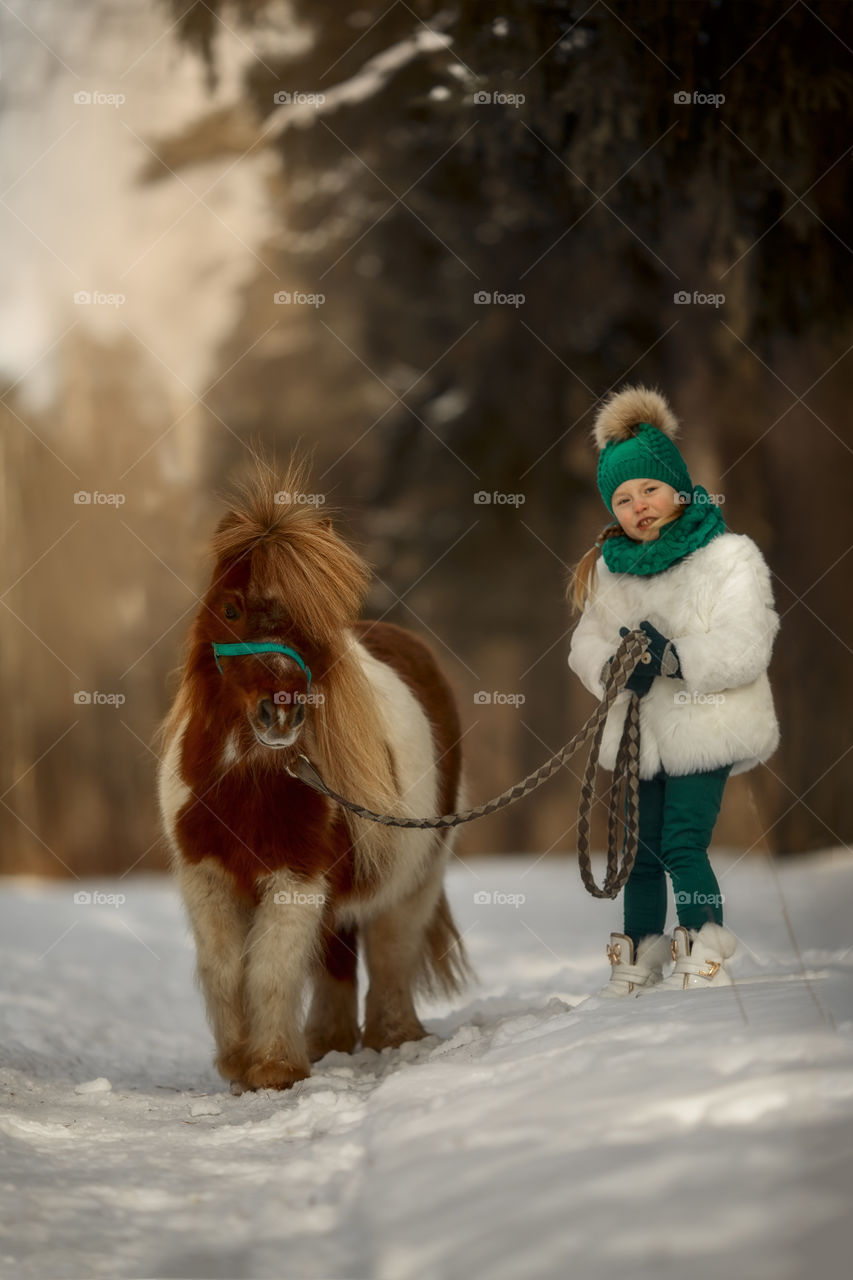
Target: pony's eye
[231,611]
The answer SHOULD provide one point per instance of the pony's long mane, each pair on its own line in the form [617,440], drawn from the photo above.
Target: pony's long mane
[321,583]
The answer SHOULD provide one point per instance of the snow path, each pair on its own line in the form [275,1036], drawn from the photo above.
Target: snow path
[540,1130]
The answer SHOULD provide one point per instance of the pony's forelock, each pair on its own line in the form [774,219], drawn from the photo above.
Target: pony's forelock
[291,551]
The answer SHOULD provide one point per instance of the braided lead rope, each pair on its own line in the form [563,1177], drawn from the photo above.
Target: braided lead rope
[625,770]
[628,655]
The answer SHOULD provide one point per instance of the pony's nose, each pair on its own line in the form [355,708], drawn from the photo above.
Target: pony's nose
[266,712]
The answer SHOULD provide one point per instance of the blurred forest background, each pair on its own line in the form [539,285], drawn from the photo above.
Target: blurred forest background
[282,215]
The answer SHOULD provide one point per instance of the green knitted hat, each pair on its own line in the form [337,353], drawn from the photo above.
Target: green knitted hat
[634,430]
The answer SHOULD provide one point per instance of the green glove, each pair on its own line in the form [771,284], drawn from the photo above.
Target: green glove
[640,679]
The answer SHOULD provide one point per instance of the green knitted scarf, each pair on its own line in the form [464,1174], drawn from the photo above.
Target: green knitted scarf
[700,522]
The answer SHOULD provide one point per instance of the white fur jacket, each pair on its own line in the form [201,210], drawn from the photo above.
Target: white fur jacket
[717,607]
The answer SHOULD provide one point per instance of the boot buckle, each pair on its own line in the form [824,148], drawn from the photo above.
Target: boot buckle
[673,946]
[712,969]
[614,954]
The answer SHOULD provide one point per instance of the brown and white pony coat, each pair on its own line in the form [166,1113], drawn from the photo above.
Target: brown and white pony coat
[279,882]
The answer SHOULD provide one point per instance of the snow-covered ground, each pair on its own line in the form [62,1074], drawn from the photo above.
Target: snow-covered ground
[540,1132]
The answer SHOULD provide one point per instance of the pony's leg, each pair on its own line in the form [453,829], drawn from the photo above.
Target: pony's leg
[280,953]
[394,950]
[220,922]
[333,1018]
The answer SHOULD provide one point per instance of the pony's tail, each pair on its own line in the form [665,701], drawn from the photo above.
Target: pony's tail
[445,967]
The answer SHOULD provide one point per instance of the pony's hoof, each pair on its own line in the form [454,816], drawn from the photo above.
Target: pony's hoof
[232,1066]
[391,1037]
[275,1074]
[342,1040]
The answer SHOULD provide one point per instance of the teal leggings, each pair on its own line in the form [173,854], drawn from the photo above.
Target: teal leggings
[677,817]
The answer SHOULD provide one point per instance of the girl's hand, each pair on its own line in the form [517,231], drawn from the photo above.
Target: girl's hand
[661,651]
[641,678]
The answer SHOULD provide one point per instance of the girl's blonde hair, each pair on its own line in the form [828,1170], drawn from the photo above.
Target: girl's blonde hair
[581,584]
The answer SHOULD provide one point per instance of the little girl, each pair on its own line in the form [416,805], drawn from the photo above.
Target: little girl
[704,597]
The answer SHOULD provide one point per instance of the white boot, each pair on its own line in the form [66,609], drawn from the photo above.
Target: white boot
[630,976]
[700,960]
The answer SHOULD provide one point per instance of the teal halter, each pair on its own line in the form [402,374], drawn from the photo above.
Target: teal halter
[252,646]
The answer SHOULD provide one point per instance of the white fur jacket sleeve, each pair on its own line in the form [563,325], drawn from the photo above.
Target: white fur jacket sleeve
[717,607]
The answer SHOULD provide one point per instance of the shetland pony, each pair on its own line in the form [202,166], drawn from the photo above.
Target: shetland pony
[279,882]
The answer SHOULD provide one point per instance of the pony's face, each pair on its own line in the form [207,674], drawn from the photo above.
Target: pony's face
[271,689]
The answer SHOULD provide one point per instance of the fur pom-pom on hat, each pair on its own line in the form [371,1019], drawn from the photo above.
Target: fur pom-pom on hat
[622,412]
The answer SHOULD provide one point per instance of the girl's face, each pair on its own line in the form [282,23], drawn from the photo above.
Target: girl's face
[643,506]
